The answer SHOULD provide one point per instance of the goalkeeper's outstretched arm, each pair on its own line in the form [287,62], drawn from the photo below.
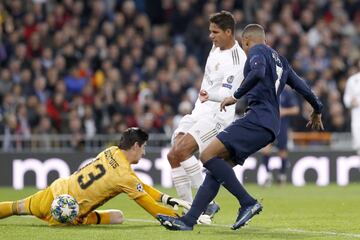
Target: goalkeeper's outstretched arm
[152,207]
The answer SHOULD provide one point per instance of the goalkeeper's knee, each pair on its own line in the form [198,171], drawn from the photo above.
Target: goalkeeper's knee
[110,216]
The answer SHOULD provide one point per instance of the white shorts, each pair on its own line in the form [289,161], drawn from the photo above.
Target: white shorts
[203,130]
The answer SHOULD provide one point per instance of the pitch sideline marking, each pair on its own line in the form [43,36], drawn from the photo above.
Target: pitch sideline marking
[289,230]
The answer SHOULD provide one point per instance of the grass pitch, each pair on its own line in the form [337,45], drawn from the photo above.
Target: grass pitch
[309,212]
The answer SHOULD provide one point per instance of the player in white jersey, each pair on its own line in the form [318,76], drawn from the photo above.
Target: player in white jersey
[352,101]
[223,75]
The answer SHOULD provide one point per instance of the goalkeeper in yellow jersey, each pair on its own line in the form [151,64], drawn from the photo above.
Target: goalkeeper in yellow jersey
[108,175]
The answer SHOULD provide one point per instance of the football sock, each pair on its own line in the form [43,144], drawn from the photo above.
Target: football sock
[203,197]
[284,165]
[182,183]
[6,209]
[265,161]
[14,208]
[224,174]
[98,217]
[193,168]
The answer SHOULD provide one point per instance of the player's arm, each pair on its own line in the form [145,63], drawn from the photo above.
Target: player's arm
[163,197]
[152,207]
[257,72]
[350,100]
[301,87]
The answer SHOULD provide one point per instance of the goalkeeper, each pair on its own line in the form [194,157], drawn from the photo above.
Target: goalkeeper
[108,175]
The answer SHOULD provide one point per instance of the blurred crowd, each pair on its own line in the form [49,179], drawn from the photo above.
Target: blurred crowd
[97,67]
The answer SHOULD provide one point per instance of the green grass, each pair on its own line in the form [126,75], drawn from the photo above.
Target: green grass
[289,213]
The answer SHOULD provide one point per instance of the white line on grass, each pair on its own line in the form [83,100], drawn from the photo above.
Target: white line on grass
[286,230]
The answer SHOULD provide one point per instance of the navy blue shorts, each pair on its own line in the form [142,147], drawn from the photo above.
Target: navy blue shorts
[243,138]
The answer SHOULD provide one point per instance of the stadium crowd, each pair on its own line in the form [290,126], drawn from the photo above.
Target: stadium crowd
[97,67]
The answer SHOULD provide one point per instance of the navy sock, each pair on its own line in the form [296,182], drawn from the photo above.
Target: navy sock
[265,161]
[224,174]
[203,197]
[284,165]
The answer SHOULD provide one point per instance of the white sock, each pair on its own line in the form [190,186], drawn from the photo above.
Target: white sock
[193,168]
[182,183]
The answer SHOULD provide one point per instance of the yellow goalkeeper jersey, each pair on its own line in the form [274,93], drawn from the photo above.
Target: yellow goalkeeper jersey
[108,175]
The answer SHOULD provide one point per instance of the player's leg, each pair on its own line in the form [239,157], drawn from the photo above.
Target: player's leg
[110,216]
[213,160]
[11,208]
[32,205]
[203,197]
[285,164]
[181,180]
[282,139]
[202,132]
[182,148]
[265,152]
[240,139]
[205,194]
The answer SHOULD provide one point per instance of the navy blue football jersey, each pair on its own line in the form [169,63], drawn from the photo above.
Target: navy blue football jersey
[266,73]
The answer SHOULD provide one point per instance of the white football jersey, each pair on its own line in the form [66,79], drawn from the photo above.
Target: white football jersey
[224,72]
[352,90]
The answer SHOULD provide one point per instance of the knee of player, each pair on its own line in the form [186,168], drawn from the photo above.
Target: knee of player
[175,155]
[116,217]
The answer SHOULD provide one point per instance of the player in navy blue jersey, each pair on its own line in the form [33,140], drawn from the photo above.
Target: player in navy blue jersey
[266,74]
[289,106]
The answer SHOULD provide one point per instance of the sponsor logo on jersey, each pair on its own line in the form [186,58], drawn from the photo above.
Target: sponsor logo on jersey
[225,85]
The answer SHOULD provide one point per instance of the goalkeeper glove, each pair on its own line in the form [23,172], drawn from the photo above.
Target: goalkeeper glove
[174,202]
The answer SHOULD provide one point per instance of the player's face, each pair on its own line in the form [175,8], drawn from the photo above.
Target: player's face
[140,150]
[218,36]
[245,44]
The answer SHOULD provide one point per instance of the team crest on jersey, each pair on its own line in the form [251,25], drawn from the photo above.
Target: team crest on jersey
[139,187]
[230,79]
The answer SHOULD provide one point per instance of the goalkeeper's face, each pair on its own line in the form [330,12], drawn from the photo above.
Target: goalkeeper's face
[140,151]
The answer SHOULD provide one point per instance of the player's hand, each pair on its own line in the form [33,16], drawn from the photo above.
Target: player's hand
[315,122]
[203,95]
[226,102]
[174,202]
[204,219]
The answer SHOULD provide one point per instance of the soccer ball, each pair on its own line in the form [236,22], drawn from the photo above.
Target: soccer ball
[64,208]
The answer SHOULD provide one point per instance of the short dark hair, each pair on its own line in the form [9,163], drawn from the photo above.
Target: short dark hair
[253,29]
[224,20]
[132,135]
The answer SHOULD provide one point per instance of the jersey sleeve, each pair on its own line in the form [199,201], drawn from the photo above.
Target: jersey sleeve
[132,186]
[257,63]
[153,192]
[348,93]
[301,87]
[152,207]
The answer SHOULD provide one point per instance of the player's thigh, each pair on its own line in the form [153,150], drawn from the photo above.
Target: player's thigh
[204,131]
[185,146]
[184,125]
[40,204]
[267,149]
[215,149]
